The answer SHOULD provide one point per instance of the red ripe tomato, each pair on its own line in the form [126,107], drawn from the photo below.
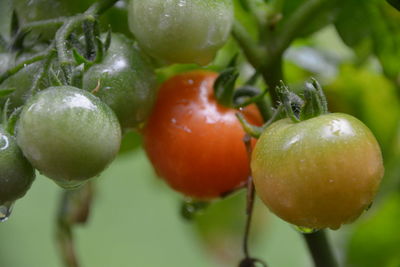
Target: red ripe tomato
[194,143]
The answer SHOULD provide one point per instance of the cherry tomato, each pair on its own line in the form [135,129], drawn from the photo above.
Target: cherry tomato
[178,31]
[318,173]
[68,134]
[125,80]
[194,143]
[16,173]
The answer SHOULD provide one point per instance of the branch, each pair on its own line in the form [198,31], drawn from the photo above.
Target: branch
[320,249]
[303,15]
[254,53]
[21,65]
[74,209]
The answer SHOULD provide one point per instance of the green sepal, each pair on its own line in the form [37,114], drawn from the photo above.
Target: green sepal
[256,131]
[77,76]
[315,101]
[79,59]
[287,99]
[88,33]
[12,120]
[224,86]
[247,95]
[15,25]
[252,130]
[6,92]
[321,95]
[107,42]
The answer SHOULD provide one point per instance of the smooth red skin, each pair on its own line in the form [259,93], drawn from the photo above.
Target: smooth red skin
[195,144]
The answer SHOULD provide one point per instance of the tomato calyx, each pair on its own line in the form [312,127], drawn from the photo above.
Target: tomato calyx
[228,95]
[297,109]
[313,104]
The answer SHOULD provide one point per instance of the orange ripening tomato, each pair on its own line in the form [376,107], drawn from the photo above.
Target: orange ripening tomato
[194,143]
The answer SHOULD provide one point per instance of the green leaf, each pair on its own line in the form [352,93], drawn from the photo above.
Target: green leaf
[131,141]
[394,3]
[6,92]
[372,27]
[325,16]
[376,241]
[224,86]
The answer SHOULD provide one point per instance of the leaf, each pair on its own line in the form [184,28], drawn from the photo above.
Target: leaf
[6,92]
[325,16]
[376,241]
[394,3]
[224,86]
[372,27]
[14,24]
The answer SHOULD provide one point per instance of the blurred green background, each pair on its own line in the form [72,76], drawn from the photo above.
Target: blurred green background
[135,221]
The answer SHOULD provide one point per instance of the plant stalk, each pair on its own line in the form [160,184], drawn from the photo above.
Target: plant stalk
[320,249]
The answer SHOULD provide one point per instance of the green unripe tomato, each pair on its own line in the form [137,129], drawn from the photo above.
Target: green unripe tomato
[318,173]
[68,134]
[177,31]
[126,82]
[16,173]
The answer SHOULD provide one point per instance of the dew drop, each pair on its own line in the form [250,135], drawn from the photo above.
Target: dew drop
[305,230]
[5,210]
[69,185]
[369,206]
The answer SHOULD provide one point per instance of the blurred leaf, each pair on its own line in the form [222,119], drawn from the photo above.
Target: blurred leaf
[130,141]
[6,92]
[221,227]
[326,15]
[394,3]
[369,97]
[376,241]
[372,27]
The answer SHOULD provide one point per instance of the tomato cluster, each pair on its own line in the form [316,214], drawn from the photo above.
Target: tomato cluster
[72,108]
[65,115]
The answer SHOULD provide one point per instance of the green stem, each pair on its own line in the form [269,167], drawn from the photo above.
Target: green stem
[320,249]
[297,21]
[100,7]
[273,75]
[42,24]
[74,209]
[254,53]
[18,67]
[64,53]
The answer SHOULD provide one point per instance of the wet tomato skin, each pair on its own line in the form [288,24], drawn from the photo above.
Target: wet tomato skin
[68,134]
[125,81]
[318,173]
[195,144]
[176,31]
[16,173]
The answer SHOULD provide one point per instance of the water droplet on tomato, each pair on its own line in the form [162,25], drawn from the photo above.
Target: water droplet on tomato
[305,230]
[369,206]
[5,210]
[69,185]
